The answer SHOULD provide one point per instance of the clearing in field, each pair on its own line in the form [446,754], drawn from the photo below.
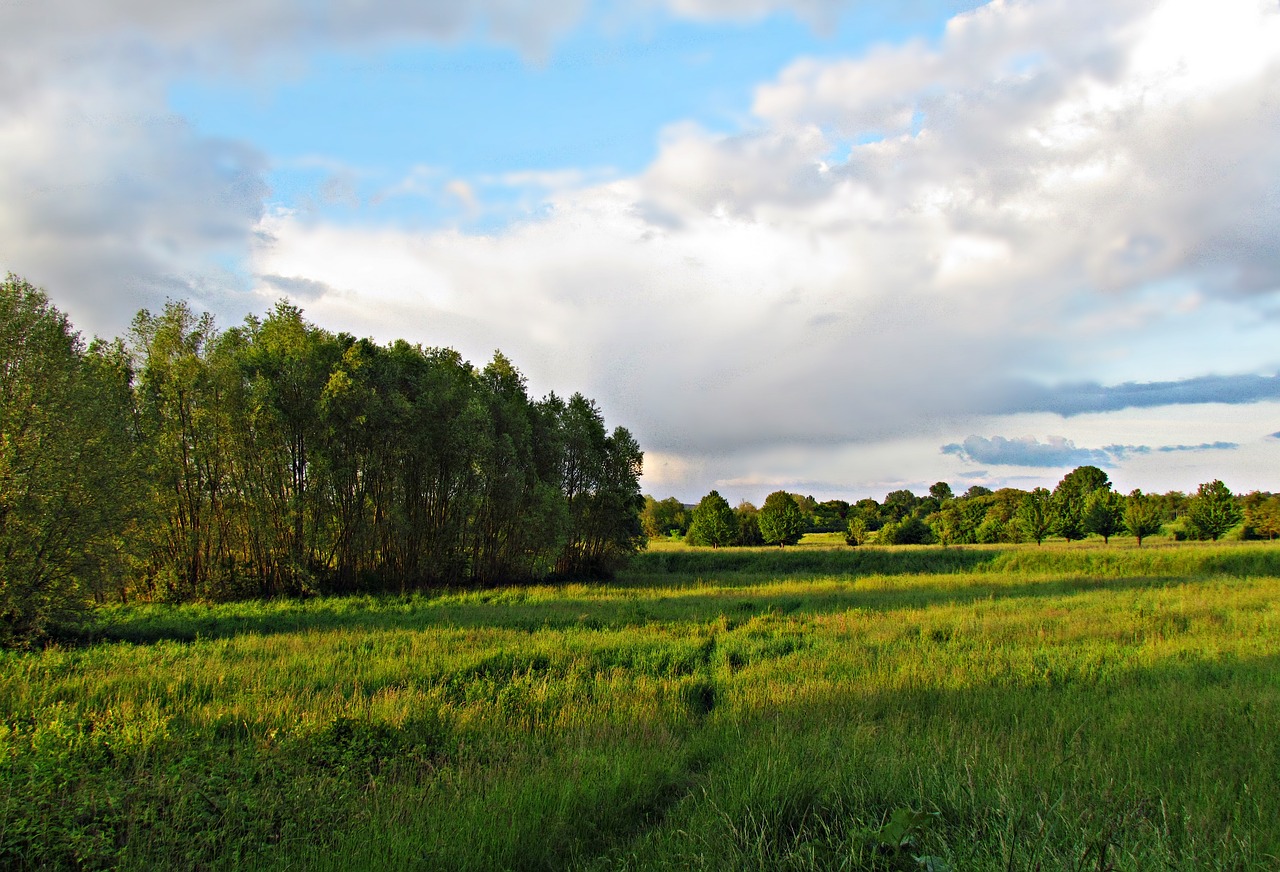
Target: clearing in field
[913,708]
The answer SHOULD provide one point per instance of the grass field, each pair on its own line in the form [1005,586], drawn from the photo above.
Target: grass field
[1064,707]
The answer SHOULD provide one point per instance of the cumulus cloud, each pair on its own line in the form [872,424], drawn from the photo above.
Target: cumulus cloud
[783,286]
[1057,451]
[872,257]
[115,209]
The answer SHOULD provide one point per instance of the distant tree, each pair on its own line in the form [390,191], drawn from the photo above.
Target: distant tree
[831,516]
[977,490]
[1070,500]
[948,524]
[908,531]
[663,517]
[941,491]
[781,521]
[1213,510]
[1068,519]
[808,507]
[869,511]
[713,522]
[1263,515]
[856,533]
[748,518]
[1141,516]
[899,504]
[1035,514]
[1082,481]
[1104,513]
[1172,505]
[990,531]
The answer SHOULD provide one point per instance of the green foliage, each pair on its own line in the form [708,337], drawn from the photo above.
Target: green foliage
[65,466]
[780,519]
[747,517]
[277,458]
[898,504]
[664,517]
[1141,516]
[1071,501]
[1262,515]
[1104,513]
[831,516]
[1213,510]
[911,531]
[1035,515]
[713,522]
[857,531]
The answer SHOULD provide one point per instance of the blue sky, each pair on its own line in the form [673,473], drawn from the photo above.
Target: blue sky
[835,246]
[596,99]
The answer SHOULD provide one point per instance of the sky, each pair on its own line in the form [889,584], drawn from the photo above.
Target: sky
[831,246]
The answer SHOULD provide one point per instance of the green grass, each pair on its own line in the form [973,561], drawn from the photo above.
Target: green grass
[1063,707]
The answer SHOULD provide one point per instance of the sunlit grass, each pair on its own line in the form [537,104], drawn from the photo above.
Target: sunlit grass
[1065,706]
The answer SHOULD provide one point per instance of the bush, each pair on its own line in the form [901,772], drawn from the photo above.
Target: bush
[909,531]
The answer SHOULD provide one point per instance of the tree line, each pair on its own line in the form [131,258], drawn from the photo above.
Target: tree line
[184,462]
[1084,503]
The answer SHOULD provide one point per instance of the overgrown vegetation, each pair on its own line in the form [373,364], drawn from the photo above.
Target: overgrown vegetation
[968,708]
[275,458]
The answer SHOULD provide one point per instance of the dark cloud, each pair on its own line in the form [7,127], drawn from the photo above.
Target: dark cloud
[1027,451]
[296,288]
[1056,451]
[1203,446]
[1085,397]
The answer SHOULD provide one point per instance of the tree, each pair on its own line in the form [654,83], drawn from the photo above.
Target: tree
[909,531]
[602,488]
[1035,514]
[856,534]
[1070,500]
[713,522]
[64,460]
[830,516]
[1082,481]
[781,521]
[1213,510]
[748,518]
[898,505]
[948,524]
[1263,515]
[1141,516]
[664,517]
[1104,513]
[941,491]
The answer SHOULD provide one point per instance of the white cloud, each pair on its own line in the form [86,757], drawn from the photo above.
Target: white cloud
[115,209]
[1040,166]
[845,281]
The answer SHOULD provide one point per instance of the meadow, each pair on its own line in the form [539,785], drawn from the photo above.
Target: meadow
[819,707]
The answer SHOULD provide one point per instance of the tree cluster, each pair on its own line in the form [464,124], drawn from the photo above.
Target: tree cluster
[185,462]
[1082,504]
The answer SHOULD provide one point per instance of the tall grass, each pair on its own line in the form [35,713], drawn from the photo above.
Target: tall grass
[1017,708]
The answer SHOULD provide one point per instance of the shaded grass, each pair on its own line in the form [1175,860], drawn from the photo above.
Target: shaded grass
[1053,708]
